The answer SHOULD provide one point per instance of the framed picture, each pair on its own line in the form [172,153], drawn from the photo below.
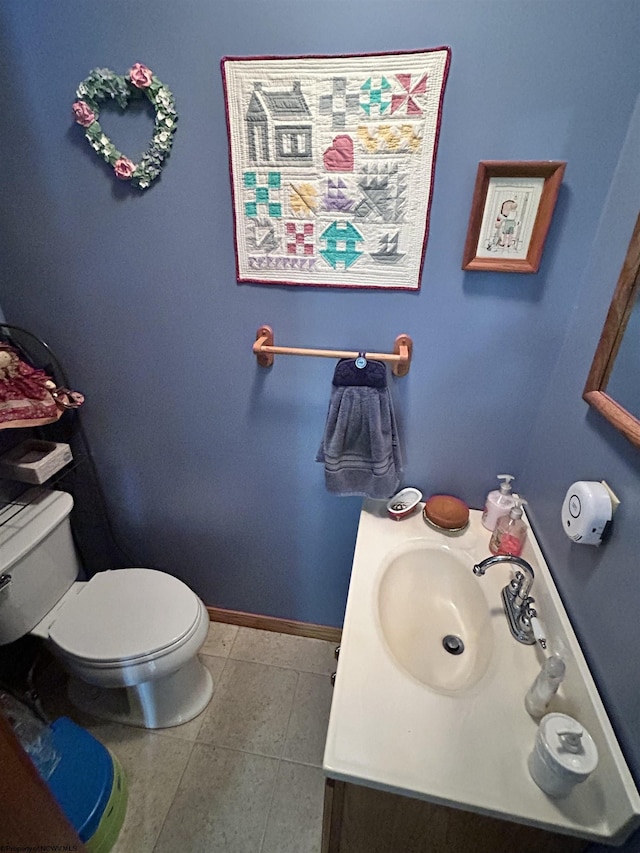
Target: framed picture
[512,207]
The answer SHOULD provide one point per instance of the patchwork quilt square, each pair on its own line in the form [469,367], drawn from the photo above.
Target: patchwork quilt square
[332,162]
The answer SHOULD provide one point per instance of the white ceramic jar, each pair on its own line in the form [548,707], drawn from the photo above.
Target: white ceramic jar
[563,755]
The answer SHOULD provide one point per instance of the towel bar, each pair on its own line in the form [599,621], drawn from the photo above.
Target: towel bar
[400,358]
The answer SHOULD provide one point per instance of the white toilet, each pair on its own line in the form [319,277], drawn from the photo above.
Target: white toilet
[129,637]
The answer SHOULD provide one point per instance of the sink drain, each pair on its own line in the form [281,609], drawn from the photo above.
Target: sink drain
[453,644]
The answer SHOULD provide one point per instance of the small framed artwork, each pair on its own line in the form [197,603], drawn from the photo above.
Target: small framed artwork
[511,212]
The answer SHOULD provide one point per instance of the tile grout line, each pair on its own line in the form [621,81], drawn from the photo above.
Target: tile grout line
[235,640]
[273,796]
[279,758]
[167,733]
[194,742]
[293,702]
[283,667]
[296,668]
[173,799]
[284,743]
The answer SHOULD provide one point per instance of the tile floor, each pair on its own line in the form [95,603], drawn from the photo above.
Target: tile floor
[246,775]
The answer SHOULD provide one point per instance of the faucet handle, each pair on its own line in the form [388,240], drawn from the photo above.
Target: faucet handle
[538,631]
[515,585]
[527,612]
[530,618]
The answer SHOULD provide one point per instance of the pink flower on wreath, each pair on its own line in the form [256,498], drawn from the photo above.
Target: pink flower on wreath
[140,75]
[83,113]
[124,169]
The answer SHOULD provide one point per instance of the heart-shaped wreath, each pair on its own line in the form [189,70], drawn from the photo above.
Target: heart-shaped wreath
[102,84]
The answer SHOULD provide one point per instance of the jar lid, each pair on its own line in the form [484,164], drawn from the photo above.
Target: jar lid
[568,745]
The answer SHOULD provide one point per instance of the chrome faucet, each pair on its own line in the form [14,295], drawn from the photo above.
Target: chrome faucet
[515,596]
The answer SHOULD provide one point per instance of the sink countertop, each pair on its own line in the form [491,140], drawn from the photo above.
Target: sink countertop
[468,749]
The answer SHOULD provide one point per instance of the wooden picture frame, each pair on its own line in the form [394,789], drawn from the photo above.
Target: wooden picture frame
[513,202]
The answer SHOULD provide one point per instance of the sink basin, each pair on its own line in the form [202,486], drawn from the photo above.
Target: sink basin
[434,616]
[409,718]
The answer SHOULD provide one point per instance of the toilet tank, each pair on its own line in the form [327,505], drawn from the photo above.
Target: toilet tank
[37,551]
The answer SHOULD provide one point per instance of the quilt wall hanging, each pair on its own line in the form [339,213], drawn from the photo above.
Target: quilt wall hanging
[332,161]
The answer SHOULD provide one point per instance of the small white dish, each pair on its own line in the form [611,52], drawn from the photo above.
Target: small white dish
[404,503]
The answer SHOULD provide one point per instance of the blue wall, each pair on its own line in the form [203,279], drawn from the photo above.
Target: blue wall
[572,442]
[207,459]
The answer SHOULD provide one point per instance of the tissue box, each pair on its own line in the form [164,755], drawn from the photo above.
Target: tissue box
[35,461]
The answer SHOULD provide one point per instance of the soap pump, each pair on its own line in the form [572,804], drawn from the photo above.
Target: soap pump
[544,687]
[511,531]
[498,502]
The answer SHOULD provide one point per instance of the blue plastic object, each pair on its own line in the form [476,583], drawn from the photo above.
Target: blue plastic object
[83,780]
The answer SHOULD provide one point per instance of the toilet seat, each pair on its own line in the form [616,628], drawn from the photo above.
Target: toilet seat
[126,615]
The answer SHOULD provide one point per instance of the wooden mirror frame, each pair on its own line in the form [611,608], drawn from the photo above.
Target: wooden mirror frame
[610,339]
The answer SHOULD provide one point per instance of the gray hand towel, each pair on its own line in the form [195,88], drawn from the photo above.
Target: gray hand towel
[360,447]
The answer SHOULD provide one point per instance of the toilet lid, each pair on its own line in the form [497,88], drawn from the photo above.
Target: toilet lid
[125,613]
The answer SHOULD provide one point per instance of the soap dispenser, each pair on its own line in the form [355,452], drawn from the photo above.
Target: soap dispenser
[498,502]
[511,531]
[544,687]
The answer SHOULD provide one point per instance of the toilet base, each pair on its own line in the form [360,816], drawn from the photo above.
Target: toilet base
[157,704]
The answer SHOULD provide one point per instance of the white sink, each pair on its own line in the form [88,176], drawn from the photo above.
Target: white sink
[410,718]
[434,616]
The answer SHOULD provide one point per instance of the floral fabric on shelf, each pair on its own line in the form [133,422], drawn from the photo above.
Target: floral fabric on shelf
[28,397]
